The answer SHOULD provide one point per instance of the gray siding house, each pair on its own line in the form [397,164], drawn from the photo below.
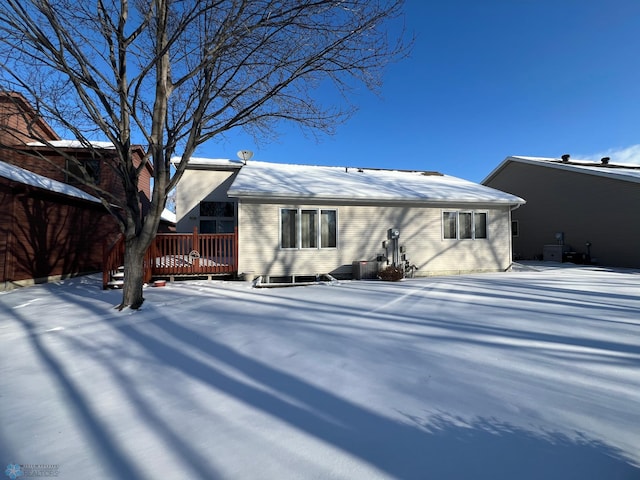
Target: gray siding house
[574,208]
[306,220]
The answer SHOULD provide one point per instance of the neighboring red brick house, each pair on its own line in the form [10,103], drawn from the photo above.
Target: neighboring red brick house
[50,228]
[24,132]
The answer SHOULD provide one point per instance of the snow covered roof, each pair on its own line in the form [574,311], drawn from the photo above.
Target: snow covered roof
[168,216]
[26,177]
[274,180]
[209,163]
[72,144]
[620,171]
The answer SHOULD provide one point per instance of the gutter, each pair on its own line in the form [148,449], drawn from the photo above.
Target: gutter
[369,200]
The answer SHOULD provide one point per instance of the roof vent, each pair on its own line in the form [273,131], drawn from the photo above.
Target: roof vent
[565,158]
[605,160]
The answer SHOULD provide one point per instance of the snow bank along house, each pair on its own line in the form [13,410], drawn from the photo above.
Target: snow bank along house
[297,221]
[577,210]
[50,225]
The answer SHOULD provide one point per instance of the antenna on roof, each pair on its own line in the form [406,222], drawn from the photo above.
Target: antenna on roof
[245,155]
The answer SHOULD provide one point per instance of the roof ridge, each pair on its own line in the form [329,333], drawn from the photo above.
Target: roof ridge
[348,167]
[590,163]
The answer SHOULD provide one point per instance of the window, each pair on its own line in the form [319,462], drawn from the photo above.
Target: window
[464,225]
[308,228]
[328,229]
[479,225]
[465,221]
[515,228]
[217,209]
[450,224]
[217,217]
[74,174]
[288,227]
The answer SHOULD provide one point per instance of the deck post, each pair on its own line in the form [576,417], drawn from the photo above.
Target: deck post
[195,265]
[149,262]
[105,264]
[235,250]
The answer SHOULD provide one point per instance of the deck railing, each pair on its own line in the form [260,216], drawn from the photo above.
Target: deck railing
[181,254]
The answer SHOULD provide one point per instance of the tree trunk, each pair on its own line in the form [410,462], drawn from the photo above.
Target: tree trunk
[134,251]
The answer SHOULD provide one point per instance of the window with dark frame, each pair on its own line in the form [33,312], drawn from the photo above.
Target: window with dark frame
[74,174]
[217,217]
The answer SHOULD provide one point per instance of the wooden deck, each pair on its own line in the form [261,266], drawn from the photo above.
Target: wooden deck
[179,255]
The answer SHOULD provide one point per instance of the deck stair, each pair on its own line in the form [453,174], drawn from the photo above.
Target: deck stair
[117,278]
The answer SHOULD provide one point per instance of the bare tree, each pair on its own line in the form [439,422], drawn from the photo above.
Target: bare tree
[172,74]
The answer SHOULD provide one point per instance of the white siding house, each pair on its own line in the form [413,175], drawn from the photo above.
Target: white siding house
[307,220]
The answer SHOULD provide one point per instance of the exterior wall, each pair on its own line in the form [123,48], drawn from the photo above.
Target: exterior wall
[361,231]
[19,123]
[144,180]
[196,186]
[53,165]
[585,207]
[45,235]
[34,164]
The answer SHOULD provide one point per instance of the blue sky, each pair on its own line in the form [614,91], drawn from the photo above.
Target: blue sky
[487,79]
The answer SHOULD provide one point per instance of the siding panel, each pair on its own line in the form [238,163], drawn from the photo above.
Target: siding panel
[196,186]
[586,208]
[47,235]
[361,231]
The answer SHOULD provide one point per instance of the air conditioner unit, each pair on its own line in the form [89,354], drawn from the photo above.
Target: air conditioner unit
[365,269]
[553,253]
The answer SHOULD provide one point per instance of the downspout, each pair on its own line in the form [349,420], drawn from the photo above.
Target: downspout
[514,207]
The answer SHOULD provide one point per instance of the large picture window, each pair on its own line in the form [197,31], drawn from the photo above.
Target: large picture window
[217,217]
[464,225]
[308,228]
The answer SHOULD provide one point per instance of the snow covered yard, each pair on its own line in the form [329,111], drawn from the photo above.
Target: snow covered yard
[522,375]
